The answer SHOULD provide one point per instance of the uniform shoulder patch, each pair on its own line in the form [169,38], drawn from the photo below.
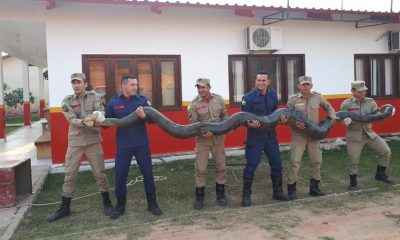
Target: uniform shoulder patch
[65,104]
[292,96]
[316,92]
[192,104]
[345,104]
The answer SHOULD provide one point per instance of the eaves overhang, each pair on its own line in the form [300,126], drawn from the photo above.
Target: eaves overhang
[272,14]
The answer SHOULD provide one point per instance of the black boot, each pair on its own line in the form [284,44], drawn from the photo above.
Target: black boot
[246,193]
[220,192]
[277,189]
[198,204]
[314,188]
[63,211]
[120,208]
[108,209]
[152,205]
[381,175]
[353,183]
[291,189]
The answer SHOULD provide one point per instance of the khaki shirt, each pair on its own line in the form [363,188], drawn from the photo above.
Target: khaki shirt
[212,110]
[75,108]
[310,107]
[366,107]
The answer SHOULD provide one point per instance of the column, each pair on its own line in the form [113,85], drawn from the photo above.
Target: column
[41,93]
[27,103]
[2,110]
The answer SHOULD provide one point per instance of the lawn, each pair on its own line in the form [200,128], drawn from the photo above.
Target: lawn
[15,123]
[176,194]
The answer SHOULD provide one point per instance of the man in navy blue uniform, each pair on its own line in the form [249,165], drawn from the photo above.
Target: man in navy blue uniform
[132,140]
[262,101]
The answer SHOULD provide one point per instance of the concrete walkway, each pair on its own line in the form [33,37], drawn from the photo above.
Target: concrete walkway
[20,145]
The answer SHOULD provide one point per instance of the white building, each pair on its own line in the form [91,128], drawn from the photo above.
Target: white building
[170,45]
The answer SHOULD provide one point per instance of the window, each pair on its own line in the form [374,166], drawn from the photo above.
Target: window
[284,70]
[380,73]
[159,77]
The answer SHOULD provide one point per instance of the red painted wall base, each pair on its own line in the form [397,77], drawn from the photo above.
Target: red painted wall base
[2,122]
[41,108]
[27,113]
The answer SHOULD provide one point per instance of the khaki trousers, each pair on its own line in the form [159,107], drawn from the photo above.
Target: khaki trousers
[299,143]
[217,149]
[354,149]
[94,153]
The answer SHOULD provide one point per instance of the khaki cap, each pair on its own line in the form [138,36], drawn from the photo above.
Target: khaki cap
[358,86]
[202,82]
[78,76]
[305,79]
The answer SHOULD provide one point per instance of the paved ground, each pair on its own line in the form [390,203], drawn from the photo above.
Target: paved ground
[19,145]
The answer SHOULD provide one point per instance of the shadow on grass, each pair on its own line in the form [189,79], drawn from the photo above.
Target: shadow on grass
[176,194]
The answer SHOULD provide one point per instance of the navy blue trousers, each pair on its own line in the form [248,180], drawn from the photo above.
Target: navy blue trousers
[253,151]
[122,163]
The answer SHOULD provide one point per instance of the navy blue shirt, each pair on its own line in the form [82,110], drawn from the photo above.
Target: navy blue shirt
[260,105]
[134,135]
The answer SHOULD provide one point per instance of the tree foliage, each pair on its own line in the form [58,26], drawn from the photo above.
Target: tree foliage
[15,97]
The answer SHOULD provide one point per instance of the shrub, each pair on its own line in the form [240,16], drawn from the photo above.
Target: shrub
[14,98]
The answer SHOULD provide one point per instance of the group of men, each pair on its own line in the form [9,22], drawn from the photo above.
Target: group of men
[84,138]
[263,101]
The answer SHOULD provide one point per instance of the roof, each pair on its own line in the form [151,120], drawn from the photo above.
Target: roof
[276,10]
[364,6]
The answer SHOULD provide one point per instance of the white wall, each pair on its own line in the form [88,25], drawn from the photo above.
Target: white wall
[329,49]
[202,37]
[204,46]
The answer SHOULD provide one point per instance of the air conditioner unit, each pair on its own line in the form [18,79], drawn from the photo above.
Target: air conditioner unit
[260,38]
[394,41]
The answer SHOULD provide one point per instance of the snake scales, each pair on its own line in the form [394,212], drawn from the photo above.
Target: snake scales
[316,131]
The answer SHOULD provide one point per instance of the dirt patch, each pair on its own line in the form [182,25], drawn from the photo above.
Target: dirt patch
[197,232]
[370,222]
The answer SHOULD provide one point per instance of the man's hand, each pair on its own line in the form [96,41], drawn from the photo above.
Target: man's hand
[393,111]
[88,121]
[347,121]
[207,134]
[140,112]
[98,116]
[283,119]
[253,123]
[300,125]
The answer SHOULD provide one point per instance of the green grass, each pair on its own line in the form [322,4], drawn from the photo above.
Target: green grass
[176,194]
[17,121]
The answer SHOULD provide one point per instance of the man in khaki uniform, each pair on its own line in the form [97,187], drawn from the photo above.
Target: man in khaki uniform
[360,134]
[83,138]
[307,103]
[208,107]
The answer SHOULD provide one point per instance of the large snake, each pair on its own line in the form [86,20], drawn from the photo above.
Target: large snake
[316,131]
